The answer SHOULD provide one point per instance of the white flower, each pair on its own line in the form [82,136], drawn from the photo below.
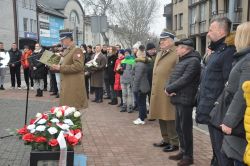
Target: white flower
[69,122]
[64,127]
[31,127]
[77,114]
[39,115]
[32,131]
[42,121]
[52,130]
[69,111]
[40,128]
[54,120]
[59,114]
[64,107]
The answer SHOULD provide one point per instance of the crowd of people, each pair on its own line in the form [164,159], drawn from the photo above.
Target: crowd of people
[172,80]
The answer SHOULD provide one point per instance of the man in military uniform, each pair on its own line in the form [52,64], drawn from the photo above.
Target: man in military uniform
[73,91]
[160,106]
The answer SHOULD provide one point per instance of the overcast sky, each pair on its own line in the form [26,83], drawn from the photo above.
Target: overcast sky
[159,23]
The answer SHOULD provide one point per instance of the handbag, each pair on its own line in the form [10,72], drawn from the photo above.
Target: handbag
[219,111]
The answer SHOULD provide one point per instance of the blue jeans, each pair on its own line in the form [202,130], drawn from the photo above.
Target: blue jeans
[142,107]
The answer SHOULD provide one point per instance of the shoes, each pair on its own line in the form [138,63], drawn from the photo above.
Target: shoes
[19,88]
[113,102]
[124,109]
[138,122]
[178,156]
[2,88]
[130,110]
[99,101]
[151,119]
[39,93]
[186,162]
[170,148]
[53,94]
[12,87]
[57,96]
[107,97]
[32,88]
[94,101]
[161,144]
[134,107]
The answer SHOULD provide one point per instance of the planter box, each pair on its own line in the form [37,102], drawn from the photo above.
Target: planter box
[36,156]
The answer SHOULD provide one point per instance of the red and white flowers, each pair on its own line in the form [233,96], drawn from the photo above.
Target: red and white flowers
[43,130]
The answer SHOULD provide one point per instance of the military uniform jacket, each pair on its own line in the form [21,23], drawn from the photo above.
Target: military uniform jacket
[73,91]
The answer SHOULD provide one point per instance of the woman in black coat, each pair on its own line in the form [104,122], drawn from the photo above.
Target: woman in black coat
[234,146]
[110,73]
[37,70]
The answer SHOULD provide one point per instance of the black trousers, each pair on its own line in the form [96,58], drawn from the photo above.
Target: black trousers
[216,137]
[98,93]
[54,87]
[107,87]
[27,77]
[45,78]
[184,129]
[87,78]
[15,74]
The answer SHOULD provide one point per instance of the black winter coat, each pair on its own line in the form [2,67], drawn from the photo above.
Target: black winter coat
[40,71]
[109,71]
[15,57]
[213,79]
[184,80]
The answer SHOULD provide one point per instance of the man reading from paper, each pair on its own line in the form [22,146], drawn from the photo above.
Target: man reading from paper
[73,91]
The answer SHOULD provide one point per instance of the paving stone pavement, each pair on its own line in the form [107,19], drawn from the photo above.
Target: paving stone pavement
[110,138]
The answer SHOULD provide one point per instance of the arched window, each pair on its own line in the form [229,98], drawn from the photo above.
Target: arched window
[74,17]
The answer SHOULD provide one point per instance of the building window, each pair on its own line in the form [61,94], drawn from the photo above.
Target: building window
[180,21]
[34,26]
[193,1]
[214,7]
[24,3]
[193,16]
[202,12]
[31,25]
[74,17]
[25,24]
[238,5]
[226,6]
[175,22]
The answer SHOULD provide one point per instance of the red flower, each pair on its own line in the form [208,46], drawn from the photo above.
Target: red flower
[32,121]
[53,142]
[49,124]
[72,140]
[28,137]
[22,131]
[52,110]
[77,131]
[44,116]
[40,139]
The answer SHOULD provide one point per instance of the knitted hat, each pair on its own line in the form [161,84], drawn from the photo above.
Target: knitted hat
[128,50]
[150,46]
[121,51]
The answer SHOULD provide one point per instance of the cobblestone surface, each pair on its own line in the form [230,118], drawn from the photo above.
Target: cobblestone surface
[110,138]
